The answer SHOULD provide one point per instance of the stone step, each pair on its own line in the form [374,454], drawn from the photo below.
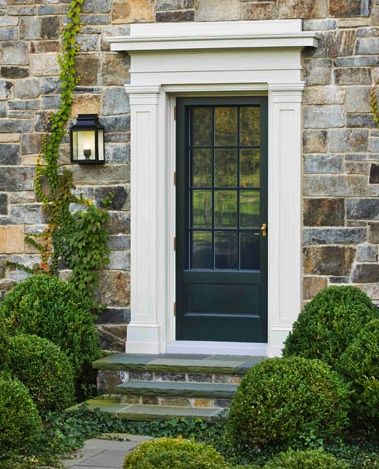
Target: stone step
[177,389]
[178,363]
[150,412]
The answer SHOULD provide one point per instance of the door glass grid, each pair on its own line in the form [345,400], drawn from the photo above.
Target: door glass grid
[224,187]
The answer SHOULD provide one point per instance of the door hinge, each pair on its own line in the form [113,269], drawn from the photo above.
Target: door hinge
[175,113]
[174,309]
[175,243]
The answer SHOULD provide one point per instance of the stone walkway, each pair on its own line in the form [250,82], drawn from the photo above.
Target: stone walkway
[107,452]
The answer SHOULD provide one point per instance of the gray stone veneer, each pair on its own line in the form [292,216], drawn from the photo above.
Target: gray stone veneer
[340,139]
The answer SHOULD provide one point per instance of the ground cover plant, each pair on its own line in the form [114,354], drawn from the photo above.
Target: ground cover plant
[64,432]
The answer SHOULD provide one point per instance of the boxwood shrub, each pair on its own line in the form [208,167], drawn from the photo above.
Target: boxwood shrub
[329,323]
[283,400]
[20,423]
[359,364]
[4,345]
[308,459]
[174,453]
[44,369]
[48,307]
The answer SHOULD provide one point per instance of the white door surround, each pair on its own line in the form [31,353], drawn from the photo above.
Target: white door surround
[210,59]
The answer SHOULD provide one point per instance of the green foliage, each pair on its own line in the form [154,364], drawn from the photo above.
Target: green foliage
[285,400]
[64,432]
[329,323]
[44,369]
[78,240]
[359,364]
[4,346]
[88,250]
[48,307]
[20,423]
[308,459]
[174,453]
[374,106]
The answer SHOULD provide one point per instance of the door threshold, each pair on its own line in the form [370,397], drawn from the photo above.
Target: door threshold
[252,349]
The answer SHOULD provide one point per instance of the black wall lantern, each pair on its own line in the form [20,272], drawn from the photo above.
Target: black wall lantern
[87,140]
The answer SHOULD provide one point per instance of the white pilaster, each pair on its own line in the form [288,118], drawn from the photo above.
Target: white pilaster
[284,212]
[143,334]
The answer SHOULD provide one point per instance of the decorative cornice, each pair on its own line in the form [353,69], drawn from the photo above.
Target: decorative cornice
[228,35]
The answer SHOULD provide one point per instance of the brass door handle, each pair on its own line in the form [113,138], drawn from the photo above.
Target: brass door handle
[264,229]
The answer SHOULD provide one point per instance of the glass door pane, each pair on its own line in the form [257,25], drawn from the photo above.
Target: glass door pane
[224,187]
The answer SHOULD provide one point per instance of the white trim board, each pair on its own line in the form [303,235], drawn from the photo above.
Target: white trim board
[217,348]
[170,63]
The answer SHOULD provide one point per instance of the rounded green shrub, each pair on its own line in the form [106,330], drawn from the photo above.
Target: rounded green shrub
[359,364]
[48,307]
[44,369]
[174,453]
[4,346]
[308,459]
[282,400]
[329,323]
[20,423]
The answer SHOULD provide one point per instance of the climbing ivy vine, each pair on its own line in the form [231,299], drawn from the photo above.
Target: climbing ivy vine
[76,240]
[374,106]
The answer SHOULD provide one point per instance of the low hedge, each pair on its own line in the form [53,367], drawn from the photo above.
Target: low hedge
[44,369]
[282,400]
[174,453]
[308,459]
[359,364]
[48,307]
[20,423]
[329,323]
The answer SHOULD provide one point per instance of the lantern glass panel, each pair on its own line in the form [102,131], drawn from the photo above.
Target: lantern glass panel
[100,141]
[84,145]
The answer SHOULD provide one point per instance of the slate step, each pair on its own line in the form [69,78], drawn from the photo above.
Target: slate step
[150,412]
[177,363]
[177,389]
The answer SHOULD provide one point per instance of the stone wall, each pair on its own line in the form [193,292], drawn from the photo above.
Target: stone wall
[341,142]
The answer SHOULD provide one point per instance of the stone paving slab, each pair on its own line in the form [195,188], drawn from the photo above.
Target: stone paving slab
[106,452]
[187,389]
[177,362]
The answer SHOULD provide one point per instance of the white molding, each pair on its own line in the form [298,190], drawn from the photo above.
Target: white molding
[217,348]
[212,35]
[157,78]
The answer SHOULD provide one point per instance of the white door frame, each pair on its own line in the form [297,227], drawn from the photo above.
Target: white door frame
[210,59]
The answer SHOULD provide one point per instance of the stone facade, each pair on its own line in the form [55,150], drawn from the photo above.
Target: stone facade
[340,138]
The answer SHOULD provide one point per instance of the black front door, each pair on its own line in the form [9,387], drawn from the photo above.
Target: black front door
[221,219]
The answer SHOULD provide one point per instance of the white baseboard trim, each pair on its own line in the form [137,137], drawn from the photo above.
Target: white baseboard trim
[217,348]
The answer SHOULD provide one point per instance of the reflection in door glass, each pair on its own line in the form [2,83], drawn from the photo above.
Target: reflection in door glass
[202,209]
[224,206]
[249,168]
[250,126]
[226,250]
[249,251]
[249,209]
[202,165]
[202,250]
[226,126]
[226,167]
[226,209]
[202,134]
